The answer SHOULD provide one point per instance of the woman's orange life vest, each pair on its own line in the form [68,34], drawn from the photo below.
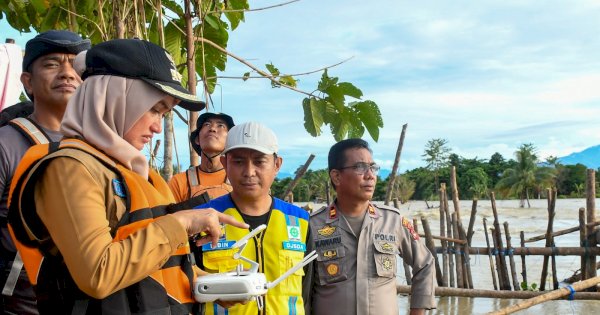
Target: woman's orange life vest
[167,290]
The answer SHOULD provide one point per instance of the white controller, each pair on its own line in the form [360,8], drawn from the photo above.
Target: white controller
[241,285]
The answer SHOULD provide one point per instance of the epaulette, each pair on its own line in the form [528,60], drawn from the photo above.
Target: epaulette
[315,212]
[384,207]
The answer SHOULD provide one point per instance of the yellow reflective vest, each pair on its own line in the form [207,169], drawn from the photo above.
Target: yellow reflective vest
[277,249]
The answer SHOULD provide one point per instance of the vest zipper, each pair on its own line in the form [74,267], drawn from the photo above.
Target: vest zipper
[260,256]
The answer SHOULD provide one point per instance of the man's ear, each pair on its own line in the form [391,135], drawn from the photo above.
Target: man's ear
[278,163]
[26,81]
[335,177]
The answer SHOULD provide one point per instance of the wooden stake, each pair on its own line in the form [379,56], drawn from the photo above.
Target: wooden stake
[583,243]
[487,241]
[299,173]
[457,253]
[454,188]
[552,295]
[591,217]
[523,265]
[443,237]
[466,259]
[500,261]
[511,258]
[549,242]
[392,176]
[431,245]
[471,221]
[449,234]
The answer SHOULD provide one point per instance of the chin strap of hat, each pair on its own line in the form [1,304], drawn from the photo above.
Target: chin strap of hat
[210,159]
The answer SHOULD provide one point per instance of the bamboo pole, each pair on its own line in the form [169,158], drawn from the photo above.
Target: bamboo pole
[481,293]
[549,243]
[489,253]
[552,295]
[396,204]
[466,258]
[591,217]
[511,258]
[392,176]
[501,284]
[523,265]
[443,237]
[299,173]
[431,245]
[497,237]
[583,242]
[536,251]
[458,250]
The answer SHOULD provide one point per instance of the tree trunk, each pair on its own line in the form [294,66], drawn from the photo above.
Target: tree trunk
[191,67]
[167,170]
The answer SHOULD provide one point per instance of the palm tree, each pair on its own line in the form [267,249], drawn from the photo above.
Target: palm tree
[525,175]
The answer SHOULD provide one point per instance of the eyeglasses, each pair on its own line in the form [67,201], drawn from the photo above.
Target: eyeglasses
[361,168]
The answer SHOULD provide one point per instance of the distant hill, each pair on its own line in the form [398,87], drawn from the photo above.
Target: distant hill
[589,157]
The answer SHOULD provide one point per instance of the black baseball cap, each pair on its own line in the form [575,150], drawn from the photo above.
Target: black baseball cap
[53,41]
[201,120]
[140,59]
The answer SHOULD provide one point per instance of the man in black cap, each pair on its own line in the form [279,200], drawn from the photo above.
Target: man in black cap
[208,140]
[49,80]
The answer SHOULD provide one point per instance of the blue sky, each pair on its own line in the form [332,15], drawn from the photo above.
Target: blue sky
[487,76]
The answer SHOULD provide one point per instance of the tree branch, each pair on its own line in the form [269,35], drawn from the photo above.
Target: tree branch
[251,66]
[85,18]
[283,75]
[257,9]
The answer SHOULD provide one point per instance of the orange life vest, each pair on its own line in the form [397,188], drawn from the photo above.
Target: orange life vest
[167,290]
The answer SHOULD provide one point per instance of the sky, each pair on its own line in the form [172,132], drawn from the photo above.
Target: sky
[487,76]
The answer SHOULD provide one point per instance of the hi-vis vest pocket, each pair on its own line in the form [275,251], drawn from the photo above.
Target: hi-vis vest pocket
[293,284]
[220,260]
[330,264]
[385,255]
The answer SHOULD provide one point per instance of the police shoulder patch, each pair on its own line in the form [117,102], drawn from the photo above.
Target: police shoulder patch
[410,228]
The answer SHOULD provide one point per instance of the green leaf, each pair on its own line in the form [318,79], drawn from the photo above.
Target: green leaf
[523,286]
[246,76]
[335,96]
[340,126]
[350,90]
[40,6]
[272,69]
[288,80]
[313,119]
[356,129]
[212,21]
[236,17]
[369,115]
[326,81]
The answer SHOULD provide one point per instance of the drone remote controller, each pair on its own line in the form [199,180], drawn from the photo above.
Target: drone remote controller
[240,284]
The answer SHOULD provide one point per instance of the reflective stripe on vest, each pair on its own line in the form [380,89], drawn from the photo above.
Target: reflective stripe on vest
[196,188]
[35,136]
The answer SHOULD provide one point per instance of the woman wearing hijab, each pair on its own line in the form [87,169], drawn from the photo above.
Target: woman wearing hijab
[105,224]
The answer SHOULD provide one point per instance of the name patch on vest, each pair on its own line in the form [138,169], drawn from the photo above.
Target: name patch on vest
[295,246]
[220,245]
[385,237]
[328,241]
[118,188]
